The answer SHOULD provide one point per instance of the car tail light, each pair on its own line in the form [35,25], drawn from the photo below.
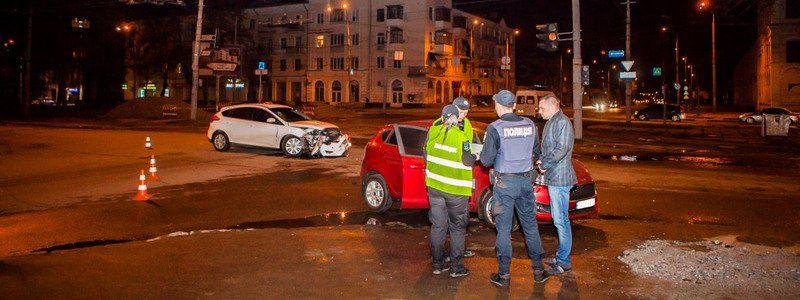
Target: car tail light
[214,117]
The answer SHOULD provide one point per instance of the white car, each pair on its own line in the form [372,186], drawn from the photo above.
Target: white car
[277,127]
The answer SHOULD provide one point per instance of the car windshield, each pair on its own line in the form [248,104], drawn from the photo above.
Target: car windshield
[289,114]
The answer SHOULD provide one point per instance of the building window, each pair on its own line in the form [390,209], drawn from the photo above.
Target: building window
[397,91]
[336,91]
[398,64]
[319,63]
[337,15]
[354,17]
[793,51]
[320,40]
[430,13]
[337,39]
[381,38]
[792,9]
[381,62]
[298,41]
[354,63]
[337,63]
[354,39]
[396,35]
[442,14]
[283,65]
[381,15]
[320,18]
[252,24]
[298,64]
[319,91]
[283,43]
[394,12]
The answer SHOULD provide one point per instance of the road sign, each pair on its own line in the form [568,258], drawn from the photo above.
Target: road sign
[685,89]
[262,65]
[261,72]
[677,86]
[222,66]
[627,75]
[208,38]
[656,71]
[627,64]
[506,60]
[616,53]
[505,67]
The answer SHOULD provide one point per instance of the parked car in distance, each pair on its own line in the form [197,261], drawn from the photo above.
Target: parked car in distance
[656,112]
[757,117]
[277,127]
[393,169]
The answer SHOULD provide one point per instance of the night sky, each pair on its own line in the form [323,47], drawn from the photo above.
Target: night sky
[603,23]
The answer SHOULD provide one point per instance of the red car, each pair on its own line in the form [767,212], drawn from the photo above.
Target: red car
[393,169]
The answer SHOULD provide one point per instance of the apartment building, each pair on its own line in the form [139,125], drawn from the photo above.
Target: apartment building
[769,74]
[403,52]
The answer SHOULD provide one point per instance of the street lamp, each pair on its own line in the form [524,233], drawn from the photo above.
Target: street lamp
[665,29]
[705,6]
[126,29]
[508,53]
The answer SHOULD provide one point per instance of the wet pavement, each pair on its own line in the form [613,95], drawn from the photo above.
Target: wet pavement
[250,223]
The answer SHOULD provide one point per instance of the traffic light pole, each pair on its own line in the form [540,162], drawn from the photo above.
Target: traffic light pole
[577,88]
[628,88]
[196,59]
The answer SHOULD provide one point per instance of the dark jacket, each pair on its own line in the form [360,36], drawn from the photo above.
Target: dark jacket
[557,143]
[491,142]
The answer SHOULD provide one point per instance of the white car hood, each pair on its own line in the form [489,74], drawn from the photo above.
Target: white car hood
[313,124]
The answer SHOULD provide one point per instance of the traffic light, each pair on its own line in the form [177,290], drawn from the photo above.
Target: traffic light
[549,37]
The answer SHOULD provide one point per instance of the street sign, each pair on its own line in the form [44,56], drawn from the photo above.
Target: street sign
[677,86]
[261,72]
[222,66]
[685,89]
[505,67]
[616,53]
[627,75]
[262,65]
[627,64]
[506,60]
[656,71]
[208,38]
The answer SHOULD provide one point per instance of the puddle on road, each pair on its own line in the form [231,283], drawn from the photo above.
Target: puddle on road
[400,219]
[695,160]
[78,245]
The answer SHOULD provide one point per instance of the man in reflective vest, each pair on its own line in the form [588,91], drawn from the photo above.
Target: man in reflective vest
[511,146]
[448,176]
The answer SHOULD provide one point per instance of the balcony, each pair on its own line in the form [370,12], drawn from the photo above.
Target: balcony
[443,49]
[396,22]
[417,71]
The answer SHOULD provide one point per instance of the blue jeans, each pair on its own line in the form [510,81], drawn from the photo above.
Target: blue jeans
[514,192]
[559,210]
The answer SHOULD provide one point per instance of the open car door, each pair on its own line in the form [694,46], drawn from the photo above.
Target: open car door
[411,142]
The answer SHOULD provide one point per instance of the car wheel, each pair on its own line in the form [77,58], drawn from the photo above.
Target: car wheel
[292,146]
[675,118]
[486,203]
[220,141]
[749,120]
[376,193]
[642,117]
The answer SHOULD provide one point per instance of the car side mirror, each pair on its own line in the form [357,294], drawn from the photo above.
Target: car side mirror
[272,120]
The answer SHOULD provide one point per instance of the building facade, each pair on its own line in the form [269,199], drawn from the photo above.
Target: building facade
[401,52]
[769,74]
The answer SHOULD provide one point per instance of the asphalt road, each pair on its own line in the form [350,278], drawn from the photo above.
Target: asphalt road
[263,225]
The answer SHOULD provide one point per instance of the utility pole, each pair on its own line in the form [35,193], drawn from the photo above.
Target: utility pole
[714,61]
[196,58]
[628,89]
[577,87]
[26,94]
[677,74]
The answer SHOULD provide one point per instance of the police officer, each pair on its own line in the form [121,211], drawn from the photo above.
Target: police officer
[511,146]
[449,180]
[463,108]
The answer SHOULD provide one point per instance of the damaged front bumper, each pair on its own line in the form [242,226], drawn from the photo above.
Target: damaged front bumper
[327,143]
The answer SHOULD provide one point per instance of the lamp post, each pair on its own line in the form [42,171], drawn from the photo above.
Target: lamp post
[508,70]
[665,29]
[126,29]
[705,6]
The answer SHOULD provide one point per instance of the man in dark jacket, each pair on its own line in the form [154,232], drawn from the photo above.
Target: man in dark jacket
[556,164]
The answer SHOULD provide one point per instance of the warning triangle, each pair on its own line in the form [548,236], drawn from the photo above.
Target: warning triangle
[627,64]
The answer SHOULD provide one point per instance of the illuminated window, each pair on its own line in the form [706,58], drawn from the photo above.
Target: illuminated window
[320,40]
